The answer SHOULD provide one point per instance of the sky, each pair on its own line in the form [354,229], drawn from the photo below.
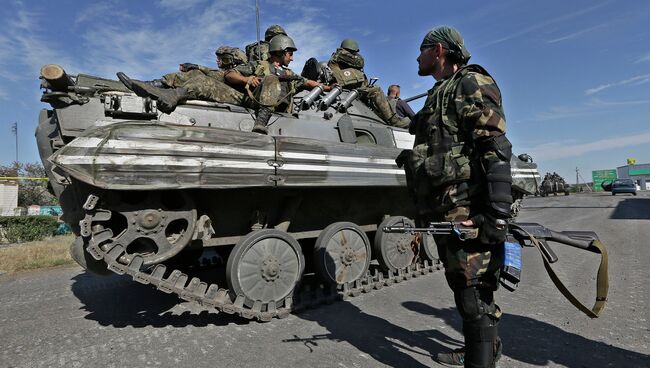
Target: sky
[574,75]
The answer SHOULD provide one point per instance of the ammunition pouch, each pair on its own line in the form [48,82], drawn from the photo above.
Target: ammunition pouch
[496,153]
[448,166]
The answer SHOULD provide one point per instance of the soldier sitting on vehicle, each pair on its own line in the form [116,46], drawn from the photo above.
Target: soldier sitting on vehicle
[347,64]
[259,51]
[193,82]
[273,82]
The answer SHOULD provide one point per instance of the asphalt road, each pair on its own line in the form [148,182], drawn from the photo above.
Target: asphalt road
[67,318]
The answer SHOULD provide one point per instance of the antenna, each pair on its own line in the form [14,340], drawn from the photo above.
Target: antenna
[257,23]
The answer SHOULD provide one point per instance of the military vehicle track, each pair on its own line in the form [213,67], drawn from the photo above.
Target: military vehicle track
[211,295]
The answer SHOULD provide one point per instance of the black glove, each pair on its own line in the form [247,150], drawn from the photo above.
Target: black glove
[403,158]
[186,67]
[492,230]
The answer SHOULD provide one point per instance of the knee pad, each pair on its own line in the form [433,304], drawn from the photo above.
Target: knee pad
[474,303]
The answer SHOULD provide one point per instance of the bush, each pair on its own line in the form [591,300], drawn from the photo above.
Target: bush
[27,228]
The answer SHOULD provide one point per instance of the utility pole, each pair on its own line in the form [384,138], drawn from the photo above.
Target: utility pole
[577,182]
[14,130]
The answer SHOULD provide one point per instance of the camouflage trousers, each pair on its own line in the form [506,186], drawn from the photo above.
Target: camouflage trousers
[274,94]
[178,79]
[378,102]
[204,87]
[468,263]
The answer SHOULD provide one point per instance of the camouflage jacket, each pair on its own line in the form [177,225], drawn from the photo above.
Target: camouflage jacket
[445,170]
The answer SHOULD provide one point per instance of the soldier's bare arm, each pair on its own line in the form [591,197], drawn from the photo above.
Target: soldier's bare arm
[235,78]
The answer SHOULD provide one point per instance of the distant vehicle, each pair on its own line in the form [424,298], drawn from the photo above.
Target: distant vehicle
[553,183]
[623,186]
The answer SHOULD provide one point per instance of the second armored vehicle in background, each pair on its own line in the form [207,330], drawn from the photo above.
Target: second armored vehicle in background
[553,184]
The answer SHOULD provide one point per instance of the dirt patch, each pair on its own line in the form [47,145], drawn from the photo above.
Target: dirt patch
[38,254]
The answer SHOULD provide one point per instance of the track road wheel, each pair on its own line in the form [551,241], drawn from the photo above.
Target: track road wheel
[342,253]
[265,265]
[395,251]
[429,248]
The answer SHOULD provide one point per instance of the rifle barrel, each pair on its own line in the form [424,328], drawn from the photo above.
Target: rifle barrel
[413,98]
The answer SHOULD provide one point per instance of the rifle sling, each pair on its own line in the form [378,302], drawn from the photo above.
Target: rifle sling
[602,282]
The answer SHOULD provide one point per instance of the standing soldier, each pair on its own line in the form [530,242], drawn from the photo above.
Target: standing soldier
[459,170]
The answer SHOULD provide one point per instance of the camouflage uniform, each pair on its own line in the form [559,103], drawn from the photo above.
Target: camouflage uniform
[176,80]
[446,174]
[278,86]
[347,68]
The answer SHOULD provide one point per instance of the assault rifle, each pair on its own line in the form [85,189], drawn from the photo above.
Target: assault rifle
[517,232]
[530,234]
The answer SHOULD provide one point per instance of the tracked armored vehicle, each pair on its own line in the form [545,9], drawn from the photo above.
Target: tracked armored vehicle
[553,184]
[288,220]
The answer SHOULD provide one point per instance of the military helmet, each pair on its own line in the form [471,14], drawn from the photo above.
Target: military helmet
[273,31]
[282,43]
[231,55]
[350,45]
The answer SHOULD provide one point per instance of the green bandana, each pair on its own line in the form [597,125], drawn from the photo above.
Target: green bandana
[450,39]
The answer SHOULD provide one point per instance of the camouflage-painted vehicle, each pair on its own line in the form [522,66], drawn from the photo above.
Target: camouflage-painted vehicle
[293,214]
[553,184]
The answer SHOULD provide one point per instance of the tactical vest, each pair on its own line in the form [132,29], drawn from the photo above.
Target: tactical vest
[347,59]
[440,149]
[252,54]
[348,78]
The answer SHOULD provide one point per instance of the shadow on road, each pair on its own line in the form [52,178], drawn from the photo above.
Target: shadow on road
[385,342]
[632,209]
[538,343]
[119,301]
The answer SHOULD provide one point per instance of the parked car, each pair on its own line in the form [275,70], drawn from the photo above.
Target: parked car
[623,186]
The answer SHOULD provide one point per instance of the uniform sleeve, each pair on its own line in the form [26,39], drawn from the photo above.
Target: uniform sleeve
[478,103]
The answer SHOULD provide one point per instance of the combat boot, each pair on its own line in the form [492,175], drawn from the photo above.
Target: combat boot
[167,99]
[261,120]
[456,358]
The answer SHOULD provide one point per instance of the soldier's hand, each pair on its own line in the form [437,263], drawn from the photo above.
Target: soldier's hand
[492,230]
[254,81]
[186,67]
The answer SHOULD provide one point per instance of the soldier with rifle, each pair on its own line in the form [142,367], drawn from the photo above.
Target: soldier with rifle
[458,173]
[459,170]
[277,84]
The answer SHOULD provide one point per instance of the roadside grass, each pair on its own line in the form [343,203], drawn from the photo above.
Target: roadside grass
[37,254]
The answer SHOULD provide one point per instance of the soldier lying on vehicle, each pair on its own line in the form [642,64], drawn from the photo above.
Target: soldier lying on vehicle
[194,82]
